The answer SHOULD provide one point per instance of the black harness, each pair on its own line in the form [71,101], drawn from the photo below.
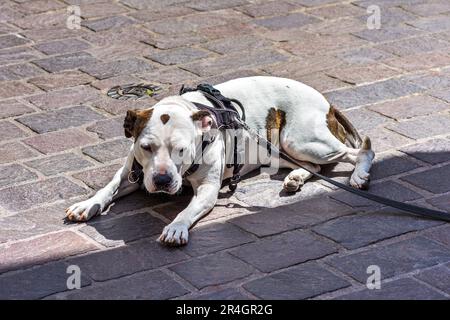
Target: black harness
[226,117]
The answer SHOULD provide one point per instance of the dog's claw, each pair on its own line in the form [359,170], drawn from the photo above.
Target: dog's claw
[175,234]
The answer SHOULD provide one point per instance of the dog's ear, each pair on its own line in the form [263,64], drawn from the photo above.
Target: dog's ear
[135,122]
[203,119]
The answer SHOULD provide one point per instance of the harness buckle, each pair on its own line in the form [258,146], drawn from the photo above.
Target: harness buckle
[234,182]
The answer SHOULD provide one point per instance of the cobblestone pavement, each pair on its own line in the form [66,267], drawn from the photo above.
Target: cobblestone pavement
[61,139]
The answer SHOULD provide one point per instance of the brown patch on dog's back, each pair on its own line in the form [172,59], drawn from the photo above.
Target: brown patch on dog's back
[335,127]
[276,119]
[164,118]
[135,122]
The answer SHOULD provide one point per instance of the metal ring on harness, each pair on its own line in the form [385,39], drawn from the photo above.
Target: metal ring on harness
[132,172]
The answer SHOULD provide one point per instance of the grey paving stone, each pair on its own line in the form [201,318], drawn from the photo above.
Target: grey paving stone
[434,151]
[105,70]
[11,108]
[13,151]
[301,282]
[388,34]
[60,80]
[390,164]
[12,40]
[177,55]
[106,129]
[432,180]
[438,277]
[402,289]
[209,5]
[108,151]
[37,283]
[433,24]
[371,93]
[389,189]
[364,55]
[393,259]
[19,71]
[10,131]
[282,251]
[415,45]
[195,270]
[60,119]
[422,127]
[50,247]
[267,9]
[99,177]
[215,237]
[66,61]
[364,119]
[294,20]
[441,235]
[140,199]
[363,229]
[29,195]
[150,285]
[15,173]
[432,81]
[285,218]
[121,261]
[441,202]
[227,294]
[62,46]
[127,228]
[107,23]
[58,164]
[59,141]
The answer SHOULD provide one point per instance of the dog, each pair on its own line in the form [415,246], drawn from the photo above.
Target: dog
[308,128]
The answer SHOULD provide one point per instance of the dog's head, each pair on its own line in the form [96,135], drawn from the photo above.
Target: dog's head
[165,140]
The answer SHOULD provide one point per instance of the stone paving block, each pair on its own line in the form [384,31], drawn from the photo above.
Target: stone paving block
[14,151]
[60,119]
[66,61]
[108,151]
[138,200]
[301,282]
[115,68]
[423,127]
[441,235]
[148,15]
[442,94]
[194,271]
[171,76]
[127,228]
[237,43]
[99,177]
[285,218]
[267,9]
[283,250]
[432,180]
[107,23]
[235,61]
[388,34]
[417,62]
[438,277]
[294,20]
[37,283]
[363,229]
[64,98]
[440,202]
[393,259]
[389,189]
[415,45]
[90,10]
[60,163]
[150,285]
[14,174]
[338,10]
[18,55]
[19,71]
[108,83]
[434,151]
[121,261]
[410,107]
[383,139]
[364,55]
[61,80]
[391,164]
[371,93]
[29,195]
[215,237]
[106,129]
[433,24]
[44,249]
[12,108]
[62,46]
[362,74]
[433,81]
[428,8]
[209,5]
[177,55]
[364,119]
[10,131]
[321,82]
[227,294]
[12,40]
[402,289]
[59,141]
[12,89]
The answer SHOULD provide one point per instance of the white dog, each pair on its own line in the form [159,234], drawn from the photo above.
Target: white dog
[310,130]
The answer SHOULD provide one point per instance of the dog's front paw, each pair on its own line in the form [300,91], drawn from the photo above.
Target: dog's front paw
[360,179]
[292,182]
[83,211]
[175,234]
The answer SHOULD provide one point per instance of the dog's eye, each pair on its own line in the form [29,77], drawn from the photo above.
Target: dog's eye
[146,147]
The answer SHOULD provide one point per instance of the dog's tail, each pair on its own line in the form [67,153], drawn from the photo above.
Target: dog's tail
[342,129]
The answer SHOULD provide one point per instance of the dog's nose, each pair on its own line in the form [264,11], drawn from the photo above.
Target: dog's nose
[162,180]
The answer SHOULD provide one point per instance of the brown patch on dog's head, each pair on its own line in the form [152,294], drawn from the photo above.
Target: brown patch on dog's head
[276,119]
[205,119]
[164,118]
[135,122]
[334,126]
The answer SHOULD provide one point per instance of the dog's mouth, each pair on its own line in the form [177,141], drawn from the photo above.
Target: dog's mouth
[171,189]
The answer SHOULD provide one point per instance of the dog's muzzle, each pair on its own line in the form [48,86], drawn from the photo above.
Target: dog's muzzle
[163,182]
